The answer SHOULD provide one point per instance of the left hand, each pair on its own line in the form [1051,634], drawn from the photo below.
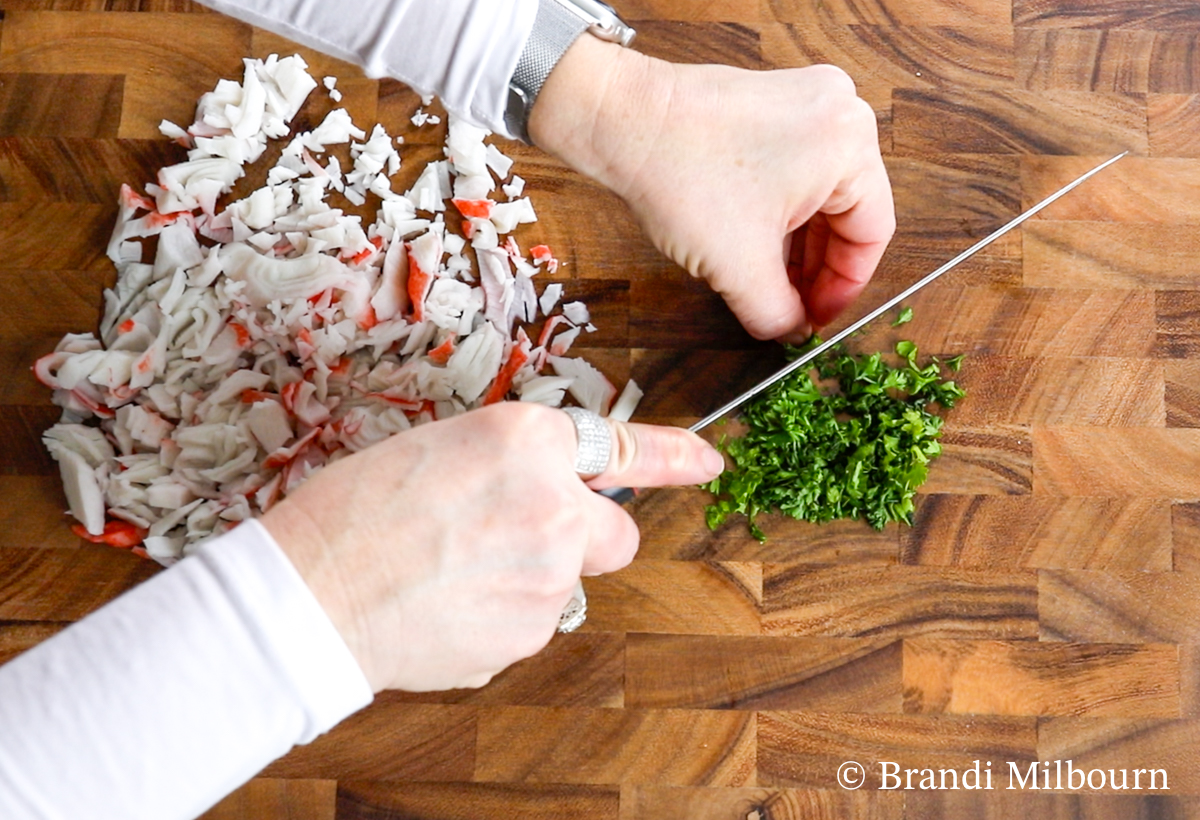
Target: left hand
[768,184]
[448,552]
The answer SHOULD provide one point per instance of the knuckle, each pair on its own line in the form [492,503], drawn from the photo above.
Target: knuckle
[836,77]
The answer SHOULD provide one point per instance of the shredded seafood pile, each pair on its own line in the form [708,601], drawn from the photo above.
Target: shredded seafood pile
[276,334]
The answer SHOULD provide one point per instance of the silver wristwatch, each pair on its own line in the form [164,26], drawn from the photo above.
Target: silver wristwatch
[558,24]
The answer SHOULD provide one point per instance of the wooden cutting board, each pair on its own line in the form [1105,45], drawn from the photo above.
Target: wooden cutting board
[1045,606]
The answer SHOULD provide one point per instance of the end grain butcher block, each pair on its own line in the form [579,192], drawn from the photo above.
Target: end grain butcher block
[1044,607]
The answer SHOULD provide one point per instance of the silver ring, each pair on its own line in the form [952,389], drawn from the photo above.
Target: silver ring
[595,441]
[575,612]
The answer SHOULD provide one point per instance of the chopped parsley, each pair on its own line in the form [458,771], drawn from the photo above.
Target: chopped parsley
[860,451]
[904,318]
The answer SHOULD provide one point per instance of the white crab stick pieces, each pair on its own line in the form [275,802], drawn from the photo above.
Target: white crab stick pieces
[274,335]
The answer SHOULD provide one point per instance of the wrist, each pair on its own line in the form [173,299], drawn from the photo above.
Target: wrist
[301,539]
[598,108]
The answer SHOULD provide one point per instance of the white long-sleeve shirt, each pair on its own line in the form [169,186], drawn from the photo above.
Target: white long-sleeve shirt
[168,698]
[464,51]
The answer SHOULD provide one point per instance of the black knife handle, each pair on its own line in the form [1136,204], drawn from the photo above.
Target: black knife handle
[621,495]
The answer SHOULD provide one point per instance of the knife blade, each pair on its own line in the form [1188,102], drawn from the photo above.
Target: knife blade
[623,494]
[793,366]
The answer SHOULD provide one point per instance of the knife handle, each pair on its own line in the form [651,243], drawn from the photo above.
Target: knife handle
[621,495]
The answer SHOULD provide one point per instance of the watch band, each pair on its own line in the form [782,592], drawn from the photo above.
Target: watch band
[554,30]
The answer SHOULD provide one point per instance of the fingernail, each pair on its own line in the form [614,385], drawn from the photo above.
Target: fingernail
[713,462]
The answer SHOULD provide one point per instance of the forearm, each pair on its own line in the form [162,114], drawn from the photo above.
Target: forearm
[168,698]
[464,51]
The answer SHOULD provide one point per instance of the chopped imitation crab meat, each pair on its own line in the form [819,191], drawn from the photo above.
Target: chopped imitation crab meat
[116,534]
[246,344]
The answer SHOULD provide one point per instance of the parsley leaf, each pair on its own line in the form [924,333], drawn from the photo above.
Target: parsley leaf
[860,451]
[904,318]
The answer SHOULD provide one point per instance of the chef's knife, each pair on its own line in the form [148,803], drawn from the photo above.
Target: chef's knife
[623,494]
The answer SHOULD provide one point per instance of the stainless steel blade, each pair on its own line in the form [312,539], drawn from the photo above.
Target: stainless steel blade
[792,367]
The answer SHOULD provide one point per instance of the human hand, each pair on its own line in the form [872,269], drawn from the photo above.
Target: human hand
[448,552]
[769,185]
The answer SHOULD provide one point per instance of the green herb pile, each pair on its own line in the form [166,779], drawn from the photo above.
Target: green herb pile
[860,451]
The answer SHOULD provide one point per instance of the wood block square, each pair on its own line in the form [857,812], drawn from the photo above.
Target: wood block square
[805,749]
[1160,747]
[265,798]
[33,512]
[1116,462]
[1008,533]
[389,740]
[65,585]
[947,13]
[441,801]
[683,597]
[1017,122]
[683,803]
[700,42]
[578,669]
[1177,323]
[993,460]
[1057,392]
[1121,14]
[1174,122]
[898,602]
[746,673]
[60,105]
[1078,605]
[1134,190]
[1110,255]
[1185,532]
[684,747]
[672,524]
[1036,678]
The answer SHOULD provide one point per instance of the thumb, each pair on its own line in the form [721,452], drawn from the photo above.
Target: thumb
[647,455]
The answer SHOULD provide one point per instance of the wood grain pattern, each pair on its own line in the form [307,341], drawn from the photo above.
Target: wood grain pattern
[678,803]
[1062,392]
[671,747]
[1007,122]
[948,805]
[898,602]
[278,799]
[1109,255]
[820,674]
[1009,533]
[1106,14]
[1144,190]
[1034,678]
[1126,744]
[1185,533]
[1046,604]
[34,105]
[688,597]
[438,801]
[805,748]
[30,578]
[1118,607]
[1172,119]
[1075,461]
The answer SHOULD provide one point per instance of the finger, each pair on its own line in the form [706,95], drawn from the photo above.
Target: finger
[647,455]
[856,243]
[612,537]
[764,300]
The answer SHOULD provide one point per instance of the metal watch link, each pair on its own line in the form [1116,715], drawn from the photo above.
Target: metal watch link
[558,24]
